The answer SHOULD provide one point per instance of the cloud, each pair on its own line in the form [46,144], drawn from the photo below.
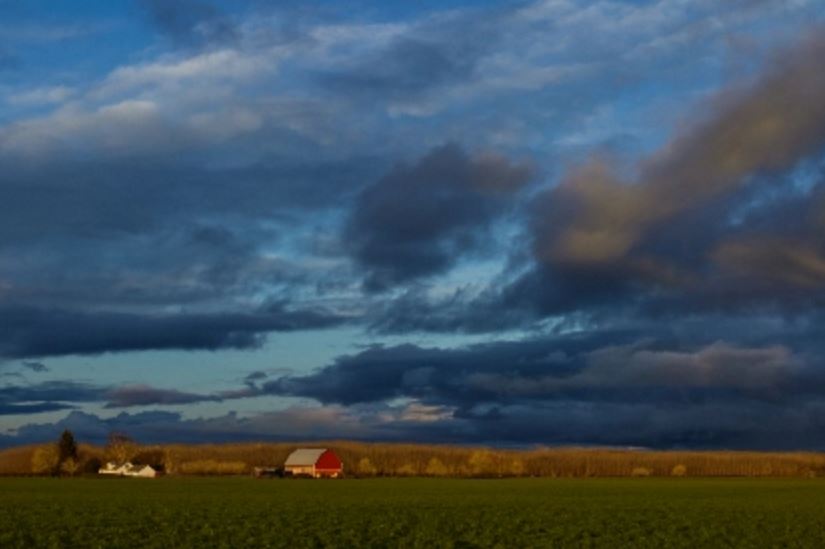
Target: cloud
[246,157]
[252,377]
[35,366]
[296,423]
[51,332]
[595,219]
[419,220]
[27,409]
[65,394]
[191,22]
[602,237]
[593,388]
[719,365]
[48,396]
[585,368]
[695,425]
[410,65]
[776,261]
[127,396]
[41,96]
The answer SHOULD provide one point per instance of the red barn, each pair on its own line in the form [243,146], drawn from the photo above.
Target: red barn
[315,462]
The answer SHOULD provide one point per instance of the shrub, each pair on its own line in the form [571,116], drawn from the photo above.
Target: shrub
[407,470]
[365,467]
[91,466]
[435,468]
[70,466]
[481,462]
[517,468]
[45,460]
[640,472]
[679,471]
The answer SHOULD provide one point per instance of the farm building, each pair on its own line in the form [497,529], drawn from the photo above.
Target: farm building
[128,470]
[314,462]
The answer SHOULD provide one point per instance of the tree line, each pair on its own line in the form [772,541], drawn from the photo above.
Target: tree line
[67,457]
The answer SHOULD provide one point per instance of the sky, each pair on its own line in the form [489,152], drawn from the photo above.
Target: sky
[513,223]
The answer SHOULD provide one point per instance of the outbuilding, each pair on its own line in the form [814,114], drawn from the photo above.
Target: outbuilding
[314,462]
[143,471]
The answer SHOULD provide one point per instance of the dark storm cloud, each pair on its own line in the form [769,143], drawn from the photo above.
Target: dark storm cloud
[462,311]
[117,198]
[252,377]
[419,220]
[152,206]
[159,426]
[650,388]
[191,22]
[718,424]
[30,332]
[46,397]
[587,369]
[37,408]
[59,395]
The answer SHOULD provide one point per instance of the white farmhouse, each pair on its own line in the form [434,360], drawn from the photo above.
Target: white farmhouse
[112,468]
[128,470]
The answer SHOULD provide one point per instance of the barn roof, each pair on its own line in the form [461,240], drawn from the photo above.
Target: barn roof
[304,456]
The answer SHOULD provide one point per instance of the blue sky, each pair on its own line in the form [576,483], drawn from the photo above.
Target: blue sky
[546,222]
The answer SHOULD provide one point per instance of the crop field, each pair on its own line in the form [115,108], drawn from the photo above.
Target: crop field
[412,512]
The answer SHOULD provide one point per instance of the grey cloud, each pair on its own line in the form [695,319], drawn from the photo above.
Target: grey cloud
[588,369]
[682,425]
[46,397]
[761,373]
[126,396]
[34,332]
[432,55]
[158,427]
[37,408]
[419,220]
[252,377]
[716,365]
[717,424]
[601,239]
[58,395]
[191,22]
[593,218]
[408,66]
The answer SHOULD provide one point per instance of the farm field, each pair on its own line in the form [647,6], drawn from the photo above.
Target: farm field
[413,512]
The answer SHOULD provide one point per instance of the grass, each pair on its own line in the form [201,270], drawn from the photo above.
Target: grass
[242,512]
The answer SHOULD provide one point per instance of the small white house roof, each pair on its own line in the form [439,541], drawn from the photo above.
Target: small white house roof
[138,468]
[304,456]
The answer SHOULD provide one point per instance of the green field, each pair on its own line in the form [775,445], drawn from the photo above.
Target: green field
[243,512]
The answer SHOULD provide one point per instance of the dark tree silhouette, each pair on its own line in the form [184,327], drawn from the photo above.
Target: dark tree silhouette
[67,447]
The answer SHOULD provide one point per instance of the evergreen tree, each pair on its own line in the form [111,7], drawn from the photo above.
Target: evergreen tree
[67,447]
